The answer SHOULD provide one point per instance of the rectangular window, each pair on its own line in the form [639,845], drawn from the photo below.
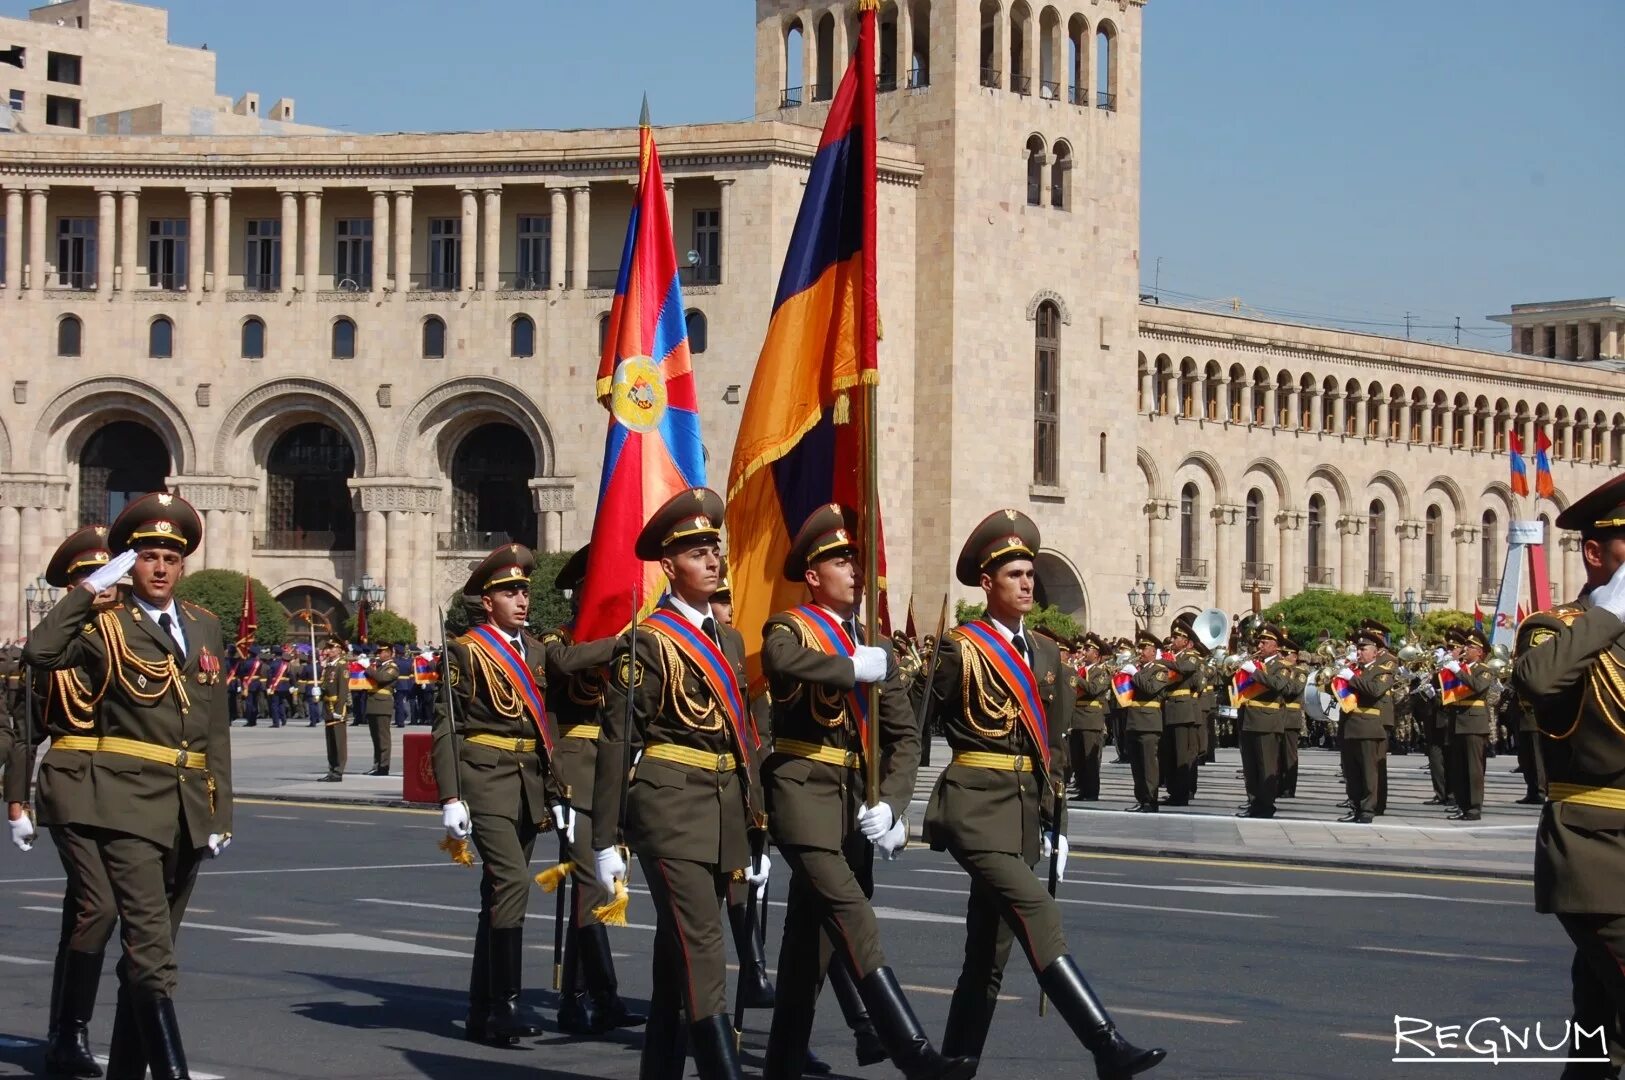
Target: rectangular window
[76,253]
[262,258]
[62,68]
[535,248]
[18,100]
[445,253]
[708,243]
[166,253]
[1046,394]
[352,259]
[61,111]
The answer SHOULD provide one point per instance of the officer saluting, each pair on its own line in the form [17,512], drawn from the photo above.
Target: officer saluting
[1570,669]
[998,807]
[162,768]
[688,801]
[493,745]
[819,670]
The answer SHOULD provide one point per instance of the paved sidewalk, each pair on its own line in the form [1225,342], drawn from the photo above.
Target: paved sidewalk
[284,763]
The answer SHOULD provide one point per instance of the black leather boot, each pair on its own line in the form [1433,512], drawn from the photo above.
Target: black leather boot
[479,984]
[574,1016]
[505,1027]
[900,1032]
[665,1042]
[125,1058]
[161,1037]
[75,1000]
[1115,1057]
[869,1049]
[754,986]
[598,967]
[714,1053]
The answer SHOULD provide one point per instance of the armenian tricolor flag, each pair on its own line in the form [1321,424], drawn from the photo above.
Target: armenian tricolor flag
[1346,697]
[1543,466]
[803,436]
[1244,686]
[1520,470]
[357,676]
[425,670]
[1452,687]
[1123,689]
[645,380]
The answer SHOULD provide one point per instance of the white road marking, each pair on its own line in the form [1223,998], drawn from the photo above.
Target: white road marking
[1188,1017]
[40,895]
[27,961]
[276,817]
[1319,824]
[1290,891]
[462,938]
[344,941]
[294,922]
[1093,903]
[102,1059]
[943,992]
[905,915]
[547,916]
[346,821]
[1443,955]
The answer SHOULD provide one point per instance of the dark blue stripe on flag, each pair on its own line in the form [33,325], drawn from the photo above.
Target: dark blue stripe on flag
[680,429]
[671,328]
[829,228]
[625,274]
[802,478]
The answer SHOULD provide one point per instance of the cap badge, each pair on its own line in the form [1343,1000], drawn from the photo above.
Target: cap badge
[164,526]
[1011,514]
[840,536]
[165,500]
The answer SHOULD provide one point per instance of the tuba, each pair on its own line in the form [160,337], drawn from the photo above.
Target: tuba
[1211,629]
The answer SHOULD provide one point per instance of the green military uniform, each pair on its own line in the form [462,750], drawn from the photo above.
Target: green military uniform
[1471,725]
[13,721]
[1263,721]
[1292,723]
[492,741]
[688,809]
[334,686]
[1531,763]
[1088,736]
[1181,716]
[1142,725]
[380,713]
[1364,722]
[1006,701]
[161,770]
[1428,711]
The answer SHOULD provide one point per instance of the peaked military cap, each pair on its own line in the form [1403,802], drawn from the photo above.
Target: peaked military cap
[158,519]
[689,518]
[509,564]
[1092,640]
[1371,632]
[83,551]
[828,530]
[1600,510]
[1271,632]
[574,572]
[1146,637]
[1475,636]
[1003,535]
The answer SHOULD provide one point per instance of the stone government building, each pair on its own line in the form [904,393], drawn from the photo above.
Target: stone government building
[374,354]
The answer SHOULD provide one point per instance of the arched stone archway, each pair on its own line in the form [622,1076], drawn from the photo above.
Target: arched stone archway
[1060,585]
[118,463]
[439,419]
[70,419]
[263,414]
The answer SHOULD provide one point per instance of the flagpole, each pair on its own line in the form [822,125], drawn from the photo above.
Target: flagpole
[868,368]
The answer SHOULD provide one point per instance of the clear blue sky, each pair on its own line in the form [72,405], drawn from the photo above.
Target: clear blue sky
[1321,157]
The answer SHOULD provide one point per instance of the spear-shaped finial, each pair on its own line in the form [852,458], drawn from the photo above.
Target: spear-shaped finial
[643,117]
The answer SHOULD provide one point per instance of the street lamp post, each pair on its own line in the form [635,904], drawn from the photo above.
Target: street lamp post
[41,597]
[1145,602]
[1409,608]
[366,594]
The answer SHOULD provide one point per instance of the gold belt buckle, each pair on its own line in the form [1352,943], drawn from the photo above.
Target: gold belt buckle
[180,759]
[1019,763]
[519,746]
[722,763]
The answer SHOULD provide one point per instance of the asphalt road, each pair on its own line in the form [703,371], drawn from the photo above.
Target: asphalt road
[334,941]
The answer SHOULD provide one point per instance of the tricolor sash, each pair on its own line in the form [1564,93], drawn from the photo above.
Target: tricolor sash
[1453,689]
[1244,686]
[832,640]
[714,667]
[1017,677]
[500,651]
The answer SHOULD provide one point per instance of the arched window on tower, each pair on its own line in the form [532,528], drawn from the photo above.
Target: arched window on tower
[1315,531]
[253,338]
[1021,74]
[490,493]
[795,72]
[522,336]
[1060,177]
[119,463]
[434,338]
[885,48]
[1077,60]
[1253,537]
[161,338]
[1190,536]
[69,335]
[308,504]
[1035,170]
[919,69]
[992,36]
[824,49]
[1046,396]
[1489,555]
[1106,67]
[699,331]
[1376,548]
[1433,581]
[343,339]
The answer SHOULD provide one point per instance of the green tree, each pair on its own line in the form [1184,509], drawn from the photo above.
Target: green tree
[221,592]
[549,607]
[384,627]
[1430,628]
[1041,616]
[1311,613]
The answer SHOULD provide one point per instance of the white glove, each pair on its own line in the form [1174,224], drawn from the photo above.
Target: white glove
[1453,666]
[868,663]
[892,843]
[1427,691]
[1611,597]
[1346,673]
[1132,669]
[1046,848]
[564,820]
[107,576]
[315,693]
[22,833]
[1438,655]
[610,866]
[454,816]
[218,843]
[756,874]
[364,661]
[1249,667]
[875,821]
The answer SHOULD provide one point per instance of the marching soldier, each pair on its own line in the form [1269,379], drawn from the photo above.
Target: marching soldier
[589,997]
[1568,666]
[1180,715]
[1088,736]
[1292,727]
[65,704]
[279,685]
[493,752]
[999,806]
[1471,723]
[688,802]
[1142,723]
[1262,722]
[1429,712]
[333,685]
[818,670]
[379,690]
[250,682]
[1363,713]
[1530,764]
[14,746]
[161,771]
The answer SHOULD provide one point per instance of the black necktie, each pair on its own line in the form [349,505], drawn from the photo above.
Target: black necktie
[519,647]
[851,630]
[710,628]
[168,625]
[1021,646]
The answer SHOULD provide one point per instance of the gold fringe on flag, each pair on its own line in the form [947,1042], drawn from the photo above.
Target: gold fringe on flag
[614,912]
[551,878]
[843,408]
[458,850]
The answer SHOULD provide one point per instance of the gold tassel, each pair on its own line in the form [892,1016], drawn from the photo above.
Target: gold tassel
[614,912]
[551,878]
[843,408]
[458,850]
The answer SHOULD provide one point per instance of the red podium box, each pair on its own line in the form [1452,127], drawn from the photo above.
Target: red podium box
[417,768]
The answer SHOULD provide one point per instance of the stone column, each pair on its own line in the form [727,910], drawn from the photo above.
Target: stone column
[29,557]
[129,240]
[580,235]
[403,240]
[1465,588]
[214,538]
[380,239]
[1226,575]
[1349,565]
[1407,533]
[725,221]
[290,240]
[558,232]
[375,545]
[14,255]
[1610,335]
[1157,512]
[220,260]
[1289,576]
[11,621]
[809,53]
[106,230]
[423,575]
[197,232]
[671,212]
[37,210]
[552,497]
[491,243]
[469,238]
[398,562]
[1340,414]
[905,44]
[311,246]
[1272,414]
[1588,341]
[1447,424]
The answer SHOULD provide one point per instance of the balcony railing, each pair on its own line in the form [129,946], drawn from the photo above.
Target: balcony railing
[167,281]
[790,97]
[1489,588]
[1078,95]
[603,279]
[437,281]
[1021,84]
[1436,585]
[886,83]
[701,274]
[1049,90]
[266,283]
[1107,101]
[990,78]
[514,281]
[471,541]
[1320,577]
[1191,570]
[919,79]
[1257,573]
[303,540]
[1380,583]
[74,279]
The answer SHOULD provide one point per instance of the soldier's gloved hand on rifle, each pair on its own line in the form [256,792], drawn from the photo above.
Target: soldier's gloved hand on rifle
[875,821]
[107,576]
[611,867]
[1047,847]
[564,820]
[890,844]
[868,663]
[756,872]
[454,816]
[1611,597]
[22,828]
[218,843]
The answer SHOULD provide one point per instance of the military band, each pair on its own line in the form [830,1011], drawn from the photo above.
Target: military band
[1088,736]
[333,687]
[1142,724]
